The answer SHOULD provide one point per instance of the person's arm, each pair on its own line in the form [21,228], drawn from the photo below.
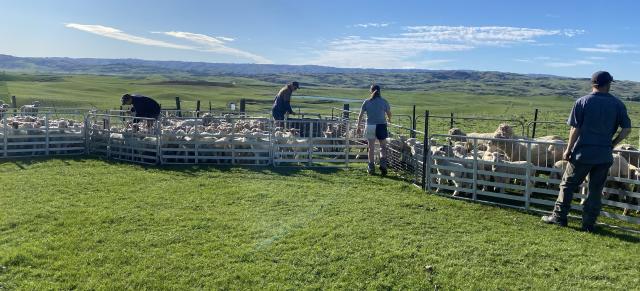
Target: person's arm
[621,136]
[287,101]
[388,111]
[574,133]
[359,124]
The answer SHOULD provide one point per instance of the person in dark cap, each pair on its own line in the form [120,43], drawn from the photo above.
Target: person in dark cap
[142,106]
[594,121]
[282,101]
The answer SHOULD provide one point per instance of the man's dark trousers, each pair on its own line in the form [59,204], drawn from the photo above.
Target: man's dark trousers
[573,177]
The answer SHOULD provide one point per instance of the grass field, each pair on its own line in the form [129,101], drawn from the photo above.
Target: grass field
[90,224]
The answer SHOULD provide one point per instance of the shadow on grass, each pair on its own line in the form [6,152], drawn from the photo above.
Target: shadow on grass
[190,170]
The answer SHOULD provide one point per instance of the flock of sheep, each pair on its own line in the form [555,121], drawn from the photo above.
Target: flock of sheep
[504,160]
[35,135]
[223,139]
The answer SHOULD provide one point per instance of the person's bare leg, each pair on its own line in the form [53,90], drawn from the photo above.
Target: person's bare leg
[372,155]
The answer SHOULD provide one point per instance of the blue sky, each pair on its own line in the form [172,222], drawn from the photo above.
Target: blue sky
[569,38]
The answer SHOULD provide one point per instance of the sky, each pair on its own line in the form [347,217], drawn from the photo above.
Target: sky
[567,38]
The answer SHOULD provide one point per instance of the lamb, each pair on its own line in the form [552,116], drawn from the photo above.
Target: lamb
[558,170]
[542,155]
[458,172]
[503,166]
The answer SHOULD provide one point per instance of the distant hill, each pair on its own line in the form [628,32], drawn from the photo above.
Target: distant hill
[470,82]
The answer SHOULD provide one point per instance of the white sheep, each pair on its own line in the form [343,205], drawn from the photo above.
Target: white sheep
[517,168]
[457,172]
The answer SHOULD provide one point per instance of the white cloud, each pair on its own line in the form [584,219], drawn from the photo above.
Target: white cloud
[119,35]
[609,48]
[597,58]
[374,25]
[523,60]
[215,45]
[407,48]
[569,64]
[204,43]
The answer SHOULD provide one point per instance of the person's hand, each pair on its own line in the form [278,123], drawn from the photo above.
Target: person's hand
[359,130]
[566,155]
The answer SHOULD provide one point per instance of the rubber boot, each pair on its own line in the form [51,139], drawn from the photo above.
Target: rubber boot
[383,166]
[371,169]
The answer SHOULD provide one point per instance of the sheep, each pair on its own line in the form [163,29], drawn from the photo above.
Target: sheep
[503,166]
[630,153]
[4,108]
[30,110]
[456,132]
[459,172]
[542,155]
[558,170]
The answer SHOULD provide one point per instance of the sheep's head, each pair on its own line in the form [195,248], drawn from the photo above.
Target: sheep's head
[504,130]
[456,131]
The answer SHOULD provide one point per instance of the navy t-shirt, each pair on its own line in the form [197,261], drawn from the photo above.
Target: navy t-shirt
[145,107]
[598,116]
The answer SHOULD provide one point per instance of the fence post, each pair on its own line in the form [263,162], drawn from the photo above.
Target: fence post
[210,106]
[413,123]
[475,169]
[535,122]
[426,175]
[345,113]
[179,111]
[14,104]
[86,134]
[528,186]
[5,132]
[197,108]
[243,105]
[451,121]
[46,131]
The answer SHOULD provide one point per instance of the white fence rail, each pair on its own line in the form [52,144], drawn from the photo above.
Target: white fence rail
[524,174]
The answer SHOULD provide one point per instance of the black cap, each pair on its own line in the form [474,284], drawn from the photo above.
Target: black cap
[295,85]
[601,78]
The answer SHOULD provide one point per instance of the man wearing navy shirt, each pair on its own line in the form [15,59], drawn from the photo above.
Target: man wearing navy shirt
[142,106]
[594,120]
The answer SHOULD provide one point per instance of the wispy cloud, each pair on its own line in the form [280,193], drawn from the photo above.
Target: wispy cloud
[407,48]
[523,60]
[569,64]
[203,43]
[596,58]
[215,45]
[373,25]
[609,48]
[119,35]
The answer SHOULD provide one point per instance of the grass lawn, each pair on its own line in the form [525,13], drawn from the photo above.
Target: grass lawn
[91,224]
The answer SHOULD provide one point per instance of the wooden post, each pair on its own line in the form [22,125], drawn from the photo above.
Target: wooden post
[197,108]
[535,122]
[243,105]
[14,104]
[451,121]
[210,106]
[179,111]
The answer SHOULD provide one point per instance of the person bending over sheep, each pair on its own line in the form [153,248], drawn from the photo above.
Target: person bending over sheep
[594,120]
[142,106]
[376,108]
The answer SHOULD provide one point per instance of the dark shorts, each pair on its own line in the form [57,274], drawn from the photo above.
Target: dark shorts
[381,132]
